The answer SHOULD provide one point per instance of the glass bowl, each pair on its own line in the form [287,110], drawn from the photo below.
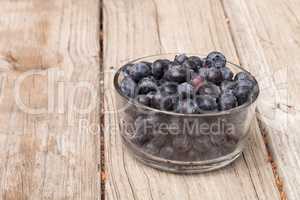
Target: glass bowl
[183,143]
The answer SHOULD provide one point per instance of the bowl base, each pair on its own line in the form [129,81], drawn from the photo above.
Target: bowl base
[193,169]
[180,167]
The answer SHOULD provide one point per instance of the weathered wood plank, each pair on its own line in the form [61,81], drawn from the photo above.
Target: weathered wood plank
[267,38]
[48,155]
[135,28]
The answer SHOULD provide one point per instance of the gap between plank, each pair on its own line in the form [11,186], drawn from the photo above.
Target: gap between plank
[101,76]
[264,133]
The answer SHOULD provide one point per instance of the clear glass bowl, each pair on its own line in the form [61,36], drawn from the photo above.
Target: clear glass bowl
[183,143]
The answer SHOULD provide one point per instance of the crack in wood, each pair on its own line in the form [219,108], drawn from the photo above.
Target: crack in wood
[278,179]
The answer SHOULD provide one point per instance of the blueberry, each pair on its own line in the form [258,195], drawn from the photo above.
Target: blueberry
[150,148]
[218,59]
[192,155]
[156,98]
[242,94]
[151,94]
[190,74]
[185,90]
[243,76]
[144,99]
[181,143]
[190,65]
[166,152]
[227,101]
[146,85]
[203,72]
[161,81]
[202,144]
[228,86]
[187,106]
[169,102]
[227,74]
[196,60]
[232,140]
[168,88]
[198,81]
[209,89]
[128,87]
[139,71]
[159,140]
[176,74]
[214,75]
[163,102]
[207,63]
[218,139]
[159,67]
[245,83]
[179,59]
[144,128]
[147,63]
[206,103]
[126,69]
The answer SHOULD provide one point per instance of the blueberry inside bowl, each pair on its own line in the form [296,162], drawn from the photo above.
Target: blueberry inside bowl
[185,113]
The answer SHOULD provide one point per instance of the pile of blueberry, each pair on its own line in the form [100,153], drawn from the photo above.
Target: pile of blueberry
[191,85]
[188,84]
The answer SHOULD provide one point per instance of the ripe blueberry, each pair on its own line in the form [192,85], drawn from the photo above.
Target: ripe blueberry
[168,88]
[144,129]
[144,99]
[128,87]
[190,65]
[181,143]
[214,75]
[202,144]
[196,60]
[218,59]
[176,74]
[139,71]
[227,74]
[150,148]
[159,67]
[166,152]
[243,76]
[126,69]
[242,94]
[146,85]
[187,106]
[185,90]
[192,155]
[227,86]
[168,102]
[245,83]
[203,72]
[159,140]
[207,63]
[227,101]
[180,58]
[210,89]
[206,103]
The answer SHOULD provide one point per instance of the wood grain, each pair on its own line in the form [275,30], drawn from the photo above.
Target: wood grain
[45,152]
[267,35]
[135,28]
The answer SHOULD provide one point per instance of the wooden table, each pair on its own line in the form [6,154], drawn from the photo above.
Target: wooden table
[56,59]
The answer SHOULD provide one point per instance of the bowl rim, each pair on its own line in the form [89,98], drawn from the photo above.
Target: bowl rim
[139,105]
